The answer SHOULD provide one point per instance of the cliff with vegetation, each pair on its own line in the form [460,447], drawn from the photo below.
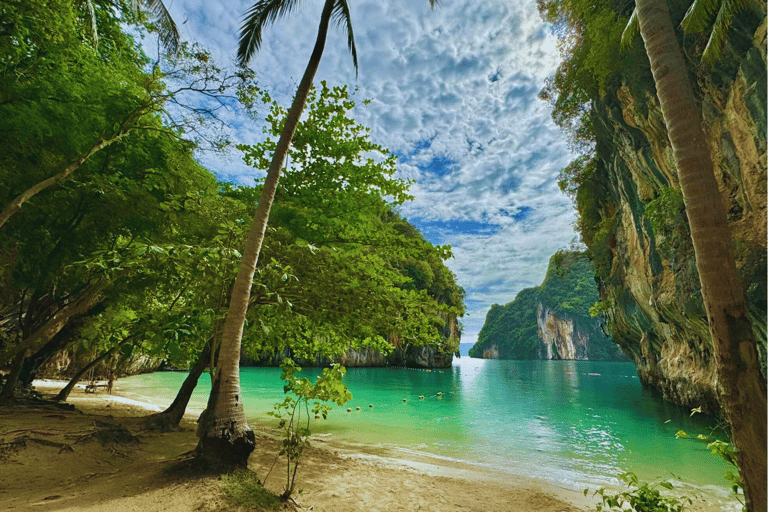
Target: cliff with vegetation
[625,186]
[551,321]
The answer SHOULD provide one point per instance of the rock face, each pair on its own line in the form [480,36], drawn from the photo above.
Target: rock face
[551,321]
[633,217]
[491,353]
[559,337]
[64,364]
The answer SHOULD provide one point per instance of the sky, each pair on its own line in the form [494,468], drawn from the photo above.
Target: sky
[454,94]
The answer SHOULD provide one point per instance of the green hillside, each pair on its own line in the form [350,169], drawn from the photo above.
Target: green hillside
[568,291]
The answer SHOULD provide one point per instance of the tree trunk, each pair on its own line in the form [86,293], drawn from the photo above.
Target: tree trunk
[225,436]
[169,419]
[742,386]
[15,205]
[59,319]
[64,393]
[9,390]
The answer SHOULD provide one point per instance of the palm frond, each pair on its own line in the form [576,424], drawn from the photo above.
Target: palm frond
[166,27]
[722,24]
[255,19]
[630,31]
[699,16]
[342,18]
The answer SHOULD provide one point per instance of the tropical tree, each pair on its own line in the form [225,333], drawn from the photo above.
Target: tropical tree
[742,385]
[224,435]
[714,16]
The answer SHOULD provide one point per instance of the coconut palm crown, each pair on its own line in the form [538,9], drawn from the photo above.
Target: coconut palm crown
[714,16]
[265,12]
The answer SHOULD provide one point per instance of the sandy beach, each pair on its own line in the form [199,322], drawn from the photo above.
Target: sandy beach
[52,460]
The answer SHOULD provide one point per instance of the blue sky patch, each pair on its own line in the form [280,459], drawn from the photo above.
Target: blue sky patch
[438,166]
[440,231]
[522,213]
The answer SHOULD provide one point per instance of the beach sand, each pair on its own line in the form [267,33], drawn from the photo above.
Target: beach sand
[50,460]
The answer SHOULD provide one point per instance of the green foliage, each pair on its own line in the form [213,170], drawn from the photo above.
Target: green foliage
[641,497]
[327,388]
[588,35]
[666,215]
[243,489]
[722,449]
[339,268]
[715,17]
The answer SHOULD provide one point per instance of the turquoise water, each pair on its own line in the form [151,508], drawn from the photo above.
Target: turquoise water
[578,423]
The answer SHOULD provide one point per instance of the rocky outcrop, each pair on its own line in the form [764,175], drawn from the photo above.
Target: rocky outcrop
[64,364]
[559,337]
[633,216]
[551,321]
[422,356]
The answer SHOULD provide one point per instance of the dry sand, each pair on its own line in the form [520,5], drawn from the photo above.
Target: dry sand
[51,460]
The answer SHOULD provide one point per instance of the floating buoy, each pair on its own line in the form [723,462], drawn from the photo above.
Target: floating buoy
[357,408]
[405,399]
[439,393]
[421,397]
[370,405]
[349,410]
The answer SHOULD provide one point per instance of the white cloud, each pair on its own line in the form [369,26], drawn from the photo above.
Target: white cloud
[465,77]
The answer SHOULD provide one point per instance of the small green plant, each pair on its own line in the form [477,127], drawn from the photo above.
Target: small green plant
[722,449]
[294,412]
[243,489]
[641,497]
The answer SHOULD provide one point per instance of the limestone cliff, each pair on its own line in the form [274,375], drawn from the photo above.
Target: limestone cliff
[633,218]
[551,321]
[561,339]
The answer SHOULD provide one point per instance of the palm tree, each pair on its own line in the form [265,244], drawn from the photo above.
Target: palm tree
[714,16]
[224,436]
[742,385]
[164,24]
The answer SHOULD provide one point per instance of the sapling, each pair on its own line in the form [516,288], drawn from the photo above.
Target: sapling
[295,415]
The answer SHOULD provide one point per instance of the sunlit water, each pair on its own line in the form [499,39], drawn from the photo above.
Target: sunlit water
[578,423]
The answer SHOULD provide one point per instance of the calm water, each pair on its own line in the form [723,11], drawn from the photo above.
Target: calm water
[575,422]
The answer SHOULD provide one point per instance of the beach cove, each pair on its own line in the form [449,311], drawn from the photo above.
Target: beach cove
[512,447]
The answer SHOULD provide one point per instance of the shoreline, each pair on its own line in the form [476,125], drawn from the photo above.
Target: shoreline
[498,489]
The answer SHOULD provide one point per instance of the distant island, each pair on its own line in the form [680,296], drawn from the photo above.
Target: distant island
[550,321]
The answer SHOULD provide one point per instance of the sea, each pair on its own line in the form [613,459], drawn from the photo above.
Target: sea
[578,424]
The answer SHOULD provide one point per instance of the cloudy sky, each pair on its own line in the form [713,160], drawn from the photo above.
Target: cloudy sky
[454,95]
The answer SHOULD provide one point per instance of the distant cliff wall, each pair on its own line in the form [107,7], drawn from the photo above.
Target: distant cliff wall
[551,321]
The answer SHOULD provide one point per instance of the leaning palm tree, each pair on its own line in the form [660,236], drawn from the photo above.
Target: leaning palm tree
[162,20]
[742,385]
[224,436]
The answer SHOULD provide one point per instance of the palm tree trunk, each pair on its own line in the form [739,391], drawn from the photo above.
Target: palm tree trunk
[225,438]
[742,385]
[169,419]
